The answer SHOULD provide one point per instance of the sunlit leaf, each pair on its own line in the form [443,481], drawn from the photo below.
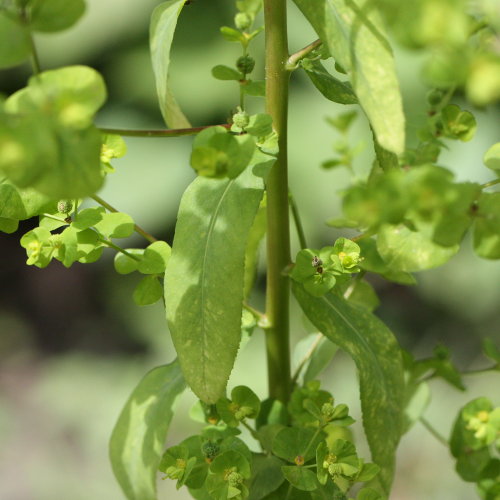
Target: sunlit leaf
[378,359]
[55,15]
[161,33]
[148,291]
[332,88]
[353,34]
[137,441]
[204,278]
[20,204]
[406,250]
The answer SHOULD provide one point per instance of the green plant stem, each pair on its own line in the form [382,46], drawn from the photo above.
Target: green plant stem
[174,132]
[300,54]
[251,431]
[490,183]
[278,229]
[298,223]
[110,244]
[53,217]
[433,431]
[260,316]
[137,228]
[35,61]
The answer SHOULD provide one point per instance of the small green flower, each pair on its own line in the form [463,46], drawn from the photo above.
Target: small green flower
[241,119]
[39,247]
[485,425]
[346,253]
[177,464]
[243,21]
[340,462]
[245,64]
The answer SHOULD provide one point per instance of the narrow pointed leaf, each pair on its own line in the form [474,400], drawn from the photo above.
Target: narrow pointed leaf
[332,88]
[204,278]
[138,438]
[163,23]
[377,355]
[352,32]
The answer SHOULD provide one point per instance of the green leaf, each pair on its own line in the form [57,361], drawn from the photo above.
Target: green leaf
[88,217]
[372,261]
[115,225]
[222,72]
[491,350]
[233,35]
[492,158]
[137,441]
[255,88]
[217,153]
[378,359]
[205,275]
[126,265]
[14,42]
[148,291]
[260,125]
[266,476]
[406,250]
[332,88]
[70,95]
[362,294]
[20,204]
[155,258]
[370,494]
[56,161]
[55,15]
[487,226]
[8,225]
[355,39]
[293,442]
[161,33]
[300,478]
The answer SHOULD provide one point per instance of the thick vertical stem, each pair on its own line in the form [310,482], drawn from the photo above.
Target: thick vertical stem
[278,230]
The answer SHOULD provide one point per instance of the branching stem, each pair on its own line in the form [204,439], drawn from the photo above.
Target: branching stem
[433,431]
[110,244]
[300,54]
[490,183]
[174,132]
[297,221]
[137,228]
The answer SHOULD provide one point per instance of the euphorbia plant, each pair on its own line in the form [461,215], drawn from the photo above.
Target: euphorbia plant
[408,215]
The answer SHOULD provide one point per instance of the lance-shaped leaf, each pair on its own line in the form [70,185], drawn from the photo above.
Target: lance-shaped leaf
[161,34]
[138,438]
[377,355]
[352,32]
[204,278]
[332,88]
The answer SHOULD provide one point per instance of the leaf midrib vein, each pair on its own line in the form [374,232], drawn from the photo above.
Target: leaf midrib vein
[213,220]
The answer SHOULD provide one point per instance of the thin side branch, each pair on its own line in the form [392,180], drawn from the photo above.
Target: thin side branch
[137,228]
[294,59]
[174,132]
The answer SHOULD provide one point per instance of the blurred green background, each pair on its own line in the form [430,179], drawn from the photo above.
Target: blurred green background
[73,344]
